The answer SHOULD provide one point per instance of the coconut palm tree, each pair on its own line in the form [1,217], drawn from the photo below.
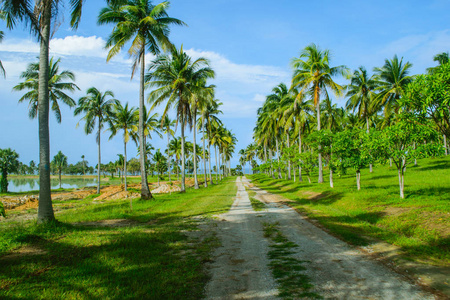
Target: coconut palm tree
[84,164]
[361,93]
[96,105]
[126,119]
[60,162]
[176,79]
[146,26]
[176,150]
[391,80]
[166,126]
[210,117]
[441,58]
[58,83]
[312,73]
[40,19]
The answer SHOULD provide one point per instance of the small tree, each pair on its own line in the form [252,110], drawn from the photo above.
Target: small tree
[60,162]
[308,161]
[353,149]
[404,142]
[9,163]
[322,142]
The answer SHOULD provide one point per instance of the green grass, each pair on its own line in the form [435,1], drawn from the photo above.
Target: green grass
[418,224]
[151,258]
[287,270]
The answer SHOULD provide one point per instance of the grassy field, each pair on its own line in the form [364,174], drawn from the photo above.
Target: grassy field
[419,224]
[143,253]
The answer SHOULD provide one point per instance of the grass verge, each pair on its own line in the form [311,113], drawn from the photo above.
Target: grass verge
[113,252]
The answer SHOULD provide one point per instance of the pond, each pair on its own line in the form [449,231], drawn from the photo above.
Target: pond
[32,184]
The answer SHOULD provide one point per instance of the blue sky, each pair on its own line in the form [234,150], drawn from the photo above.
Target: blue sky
[249,43]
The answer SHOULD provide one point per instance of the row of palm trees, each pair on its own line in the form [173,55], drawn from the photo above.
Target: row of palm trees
[291,113]
[181,83]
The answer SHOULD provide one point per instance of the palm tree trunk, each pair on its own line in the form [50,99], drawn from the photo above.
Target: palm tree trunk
[209,162]
[215,151]
[195,151]
[289,161]
[320,180]
[168,155]
[125,164]
[145,191]
[205,184]
[367,125]
[300,178]
[183,175]
[99,156]
[45,209]
[278,157]
[60,178]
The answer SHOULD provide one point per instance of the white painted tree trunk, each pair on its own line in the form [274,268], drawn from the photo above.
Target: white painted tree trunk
[358,180]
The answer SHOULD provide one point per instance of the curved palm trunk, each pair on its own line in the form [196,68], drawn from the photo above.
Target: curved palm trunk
[45,209]
[125,164]
[145,191]
[209,162]
[195,151]
[183,175]
[320,180]
[205,184]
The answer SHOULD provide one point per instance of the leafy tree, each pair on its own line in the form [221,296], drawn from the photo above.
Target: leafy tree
[313,73]
[32,167]
[160,163]
[60,162]
[146,26]
[58,83]
[353,150]
[308,162]
[9,163]
[441,58]
[324,139]
[96,105]
[429,95]
[404,142]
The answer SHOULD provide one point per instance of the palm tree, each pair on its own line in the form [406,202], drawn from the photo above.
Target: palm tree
[96,105]
[176,77]
[313,73]
[361,95]
[391,80]
[146,26]
[166,126]
[40,20]
[210,118]
[175,148]
[441,58]
[56,85]
[126,119]
[60,162]
[84,164]
[2,17]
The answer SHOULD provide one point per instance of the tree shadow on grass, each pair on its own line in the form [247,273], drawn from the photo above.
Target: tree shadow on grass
[116,264]
[436,165]
[429,191]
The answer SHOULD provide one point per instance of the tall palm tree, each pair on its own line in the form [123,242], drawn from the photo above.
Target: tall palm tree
[146,26]
[391,80]
[60,162]
[40,18]
[176,149]
[126,119]
[312,73]
[58,83]
[84,164]
[210,117]
[176,77]
[166,126]
[96,105]
[361,93]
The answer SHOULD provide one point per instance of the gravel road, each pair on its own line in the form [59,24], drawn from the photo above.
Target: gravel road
[337,271]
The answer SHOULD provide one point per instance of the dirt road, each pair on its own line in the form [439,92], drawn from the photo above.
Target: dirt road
[336,270]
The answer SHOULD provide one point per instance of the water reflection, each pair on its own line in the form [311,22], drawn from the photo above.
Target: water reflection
[31,184]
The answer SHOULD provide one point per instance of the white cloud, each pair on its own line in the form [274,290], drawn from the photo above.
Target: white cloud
[79,45]
[259,98]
